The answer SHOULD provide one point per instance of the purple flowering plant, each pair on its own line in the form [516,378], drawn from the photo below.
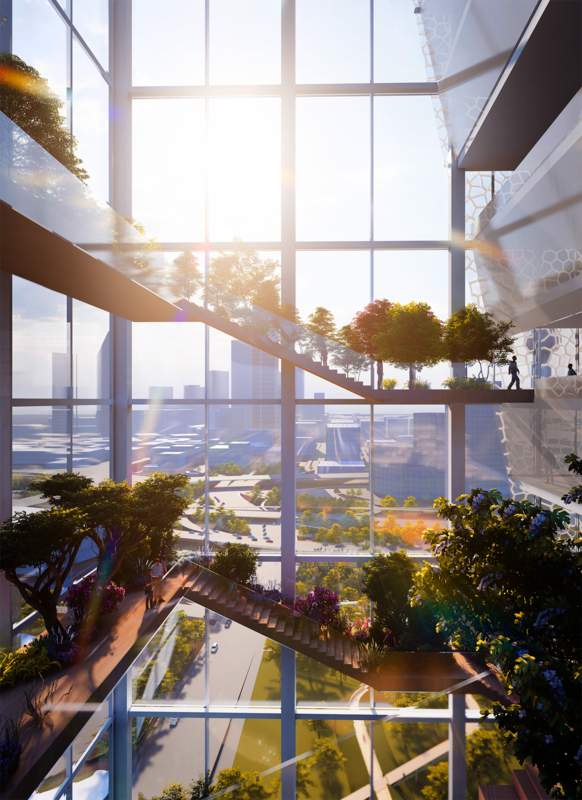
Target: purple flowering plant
[323,600]
[93,596]
[507,588]
[10,748]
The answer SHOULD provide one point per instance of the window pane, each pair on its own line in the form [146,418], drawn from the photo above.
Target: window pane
[91,19]
[92,362]
[40,444]
[333,41]
[245,169]
[168,438]
[397,44]
[91,120]
[411,196]
[91,431]
[333,168]
[160,369]
[168,168]
[245,42]
[333,497]
[168,47]
[40,39]
[327,279]
[40,343]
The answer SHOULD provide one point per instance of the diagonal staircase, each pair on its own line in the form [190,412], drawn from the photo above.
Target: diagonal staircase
[405,672]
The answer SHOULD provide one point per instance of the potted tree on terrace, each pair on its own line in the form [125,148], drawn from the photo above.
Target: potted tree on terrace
[410,334]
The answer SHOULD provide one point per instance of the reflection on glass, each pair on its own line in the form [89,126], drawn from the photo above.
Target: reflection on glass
[333,168]
[92,357]
[168,168]
[85,738]
[411,196]
[169,355]
[245,169]
[168,48]
[327,30]
[91,441]
[91,120]
[245,42]
[52,781]
[41,438]
[91,19]
[39,37]
[40,344]
[339,765]
[92,780]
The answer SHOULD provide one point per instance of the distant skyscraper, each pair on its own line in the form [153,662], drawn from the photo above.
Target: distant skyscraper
[342,441]
[217,388]
[61,368]
[161,392]
[255,375]
[194,415]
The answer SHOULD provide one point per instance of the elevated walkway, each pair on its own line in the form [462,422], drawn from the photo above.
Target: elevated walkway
[53,232]
[404,672]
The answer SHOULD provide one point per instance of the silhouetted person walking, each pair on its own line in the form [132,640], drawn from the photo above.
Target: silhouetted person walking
[571,370]
[549,464]
[149,590]
[514,372]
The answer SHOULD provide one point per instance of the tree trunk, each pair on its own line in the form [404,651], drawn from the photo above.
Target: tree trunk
[380,371]
[411,376]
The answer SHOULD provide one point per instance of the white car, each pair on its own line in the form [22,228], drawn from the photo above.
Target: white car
[214,647]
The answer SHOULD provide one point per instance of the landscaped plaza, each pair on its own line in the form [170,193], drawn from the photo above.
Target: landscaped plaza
[290,399]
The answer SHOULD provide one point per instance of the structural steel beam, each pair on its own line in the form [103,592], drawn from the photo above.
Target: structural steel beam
[543,74]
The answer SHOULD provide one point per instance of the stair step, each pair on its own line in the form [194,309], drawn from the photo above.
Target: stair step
[347,651]
[288,631]
[527,786]
[298,629]
[322,643]
[272,623]
[220,594]
[199,582]
[306,635]
[216,590]
[339,647]
[257,611]
[248,607]
[330,649]
[280,624]
[265,614]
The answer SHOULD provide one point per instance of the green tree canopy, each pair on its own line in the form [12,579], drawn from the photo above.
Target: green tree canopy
[411,334]
[27,99]
[471,335]
[48,542]
[120,518]
[508,588]
[240,556]
[347,354]
[241,278]
[186,277]
[388,502]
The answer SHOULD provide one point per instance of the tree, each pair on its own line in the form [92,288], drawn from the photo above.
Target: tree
[328,761]
[367,324]
[120,519]
[27,99]
[412,335]
[236,280]
[487,757]
[321,327]
[575,466]
[186,277]
[471,335]
[388,502]
[411,502]
[507,587]
[48,542]
[345,354]
[303,781]
[273,497]
[240,556]
[388,580]
[252,786]
[203,787]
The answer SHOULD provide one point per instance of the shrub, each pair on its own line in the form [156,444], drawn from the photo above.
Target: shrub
[389,383]
[31,661]
[467,383]
[418,384]
[93,597]
[240,556]
[10,748]
[327,602]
